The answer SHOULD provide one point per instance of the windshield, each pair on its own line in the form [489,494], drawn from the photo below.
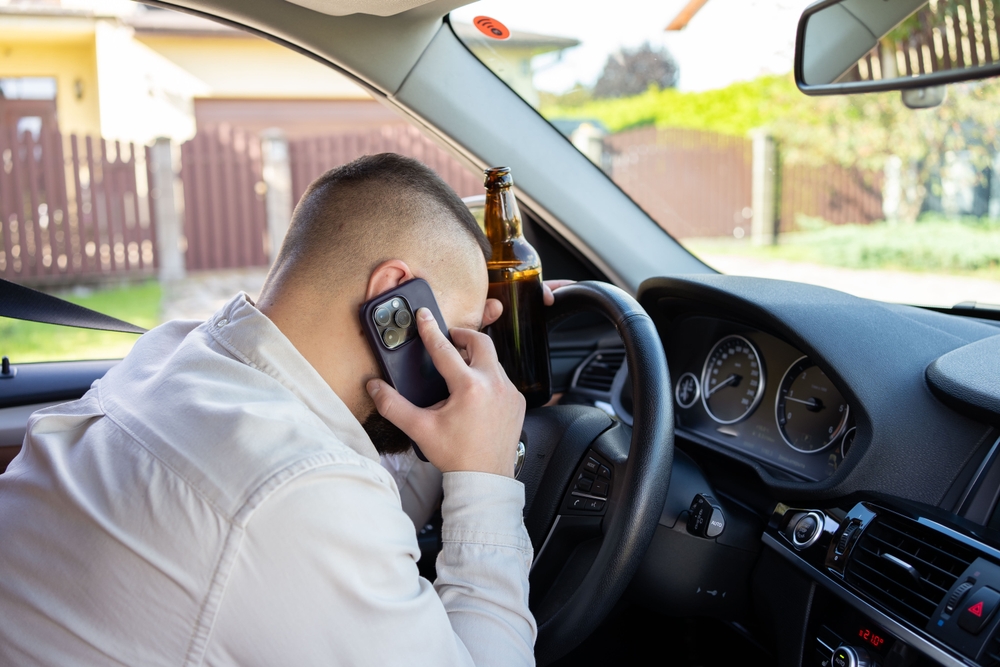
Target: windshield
[691,108]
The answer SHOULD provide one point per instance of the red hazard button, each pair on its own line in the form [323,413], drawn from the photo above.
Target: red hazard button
[979,608]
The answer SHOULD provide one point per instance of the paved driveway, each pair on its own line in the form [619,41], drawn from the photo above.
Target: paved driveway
[922,289]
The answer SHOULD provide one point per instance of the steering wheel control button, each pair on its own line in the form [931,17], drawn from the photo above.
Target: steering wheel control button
[807,530]
[956,596]
[589,492]
[978,609]
[705,517]
[848,656]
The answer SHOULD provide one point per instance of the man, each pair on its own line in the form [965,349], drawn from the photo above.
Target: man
[217,498]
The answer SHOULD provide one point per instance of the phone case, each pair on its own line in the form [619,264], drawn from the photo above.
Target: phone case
[404,361]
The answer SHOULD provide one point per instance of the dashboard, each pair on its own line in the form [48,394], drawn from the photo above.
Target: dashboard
[853,450]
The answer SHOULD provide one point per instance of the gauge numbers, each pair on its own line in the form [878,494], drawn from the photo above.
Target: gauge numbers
[732,382]
[687,391]
[811,413]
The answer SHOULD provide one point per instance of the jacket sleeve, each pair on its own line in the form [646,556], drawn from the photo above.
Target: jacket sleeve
[326,574]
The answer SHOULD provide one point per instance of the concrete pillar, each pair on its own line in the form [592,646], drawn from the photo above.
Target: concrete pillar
[277,173]
[163,195]
[764,170]
[892,188]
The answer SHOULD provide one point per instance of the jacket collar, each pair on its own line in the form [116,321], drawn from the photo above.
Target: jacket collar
[246,332]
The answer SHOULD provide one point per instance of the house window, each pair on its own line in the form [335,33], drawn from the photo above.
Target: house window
[28,88]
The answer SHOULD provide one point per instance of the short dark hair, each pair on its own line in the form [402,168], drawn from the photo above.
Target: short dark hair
[362,210]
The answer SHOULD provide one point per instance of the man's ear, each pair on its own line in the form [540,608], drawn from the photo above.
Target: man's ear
[388,275]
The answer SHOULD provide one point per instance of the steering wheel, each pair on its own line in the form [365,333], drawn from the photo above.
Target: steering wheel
[595,488]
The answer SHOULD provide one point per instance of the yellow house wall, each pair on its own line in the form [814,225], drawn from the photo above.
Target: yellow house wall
[69,61]
[247,66]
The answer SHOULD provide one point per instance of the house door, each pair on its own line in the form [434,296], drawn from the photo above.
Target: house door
[33,116]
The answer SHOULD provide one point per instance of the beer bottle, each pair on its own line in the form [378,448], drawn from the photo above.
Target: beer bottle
[515,274]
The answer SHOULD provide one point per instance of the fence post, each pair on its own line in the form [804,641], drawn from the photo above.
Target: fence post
[168,220]
[764,176]
[277,175]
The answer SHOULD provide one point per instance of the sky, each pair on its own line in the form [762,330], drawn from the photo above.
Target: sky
[727,41]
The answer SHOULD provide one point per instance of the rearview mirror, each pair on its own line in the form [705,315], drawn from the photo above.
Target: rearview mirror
[847,46]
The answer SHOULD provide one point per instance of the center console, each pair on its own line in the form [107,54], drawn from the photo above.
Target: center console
[895,588]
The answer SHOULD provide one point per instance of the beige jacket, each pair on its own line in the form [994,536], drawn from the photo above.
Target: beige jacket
[211,501]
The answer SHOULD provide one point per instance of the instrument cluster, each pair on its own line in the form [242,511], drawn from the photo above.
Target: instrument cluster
[749,391]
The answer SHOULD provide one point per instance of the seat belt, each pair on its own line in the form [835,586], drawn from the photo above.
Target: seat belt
[23,303]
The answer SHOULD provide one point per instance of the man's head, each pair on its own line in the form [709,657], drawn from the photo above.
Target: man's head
[360,230]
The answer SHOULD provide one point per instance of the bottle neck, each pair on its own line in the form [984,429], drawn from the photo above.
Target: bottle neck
[502,217]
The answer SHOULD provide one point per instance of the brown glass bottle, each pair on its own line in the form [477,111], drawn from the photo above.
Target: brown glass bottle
[515,272]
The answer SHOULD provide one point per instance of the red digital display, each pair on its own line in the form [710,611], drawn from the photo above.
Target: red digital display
[871,637]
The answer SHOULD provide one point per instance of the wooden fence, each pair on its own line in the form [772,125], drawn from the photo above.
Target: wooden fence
[225,214]
[311,157]
[832,193]
[698,184]
[75,209]
[692,183]
[72,209]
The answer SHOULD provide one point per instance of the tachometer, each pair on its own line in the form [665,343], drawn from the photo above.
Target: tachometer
[811,413]
[732,382]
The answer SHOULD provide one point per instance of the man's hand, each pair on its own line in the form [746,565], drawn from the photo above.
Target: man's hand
[550,286]
[494,309]
[477,427]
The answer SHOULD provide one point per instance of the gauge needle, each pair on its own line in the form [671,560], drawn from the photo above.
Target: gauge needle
[732,379]
[813,404]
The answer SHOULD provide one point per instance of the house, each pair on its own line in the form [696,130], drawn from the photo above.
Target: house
[74,64]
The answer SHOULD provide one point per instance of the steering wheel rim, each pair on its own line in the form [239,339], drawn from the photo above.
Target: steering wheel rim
[640,484]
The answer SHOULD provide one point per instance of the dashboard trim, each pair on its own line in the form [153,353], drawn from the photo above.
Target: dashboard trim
[734,453]
[972,488]
[929,648]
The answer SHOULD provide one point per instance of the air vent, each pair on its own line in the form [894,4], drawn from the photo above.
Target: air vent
[907,567]
[598,372]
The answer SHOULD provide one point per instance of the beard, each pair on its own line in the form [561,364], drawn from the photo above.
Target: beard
[386,436]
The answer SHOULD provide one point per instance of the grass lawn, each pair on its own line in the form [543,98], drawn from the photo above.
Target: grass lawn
[26,342]
[938,246]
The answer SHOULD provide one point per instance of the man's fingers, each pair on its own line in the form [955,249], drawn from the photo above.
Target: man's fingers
[446,358]
[549,286]
[492,312]
[477,346]
[394,407]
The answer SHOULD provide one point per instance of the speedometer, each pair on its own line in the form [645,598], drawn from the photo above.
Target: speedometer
[811,412]
[732,381]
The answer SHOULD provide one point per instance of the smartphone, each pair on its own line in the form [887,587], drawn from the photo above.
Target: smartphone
[390,325]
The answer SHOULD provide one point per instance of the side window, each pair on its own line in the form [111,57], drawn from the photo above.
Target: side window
[150,160]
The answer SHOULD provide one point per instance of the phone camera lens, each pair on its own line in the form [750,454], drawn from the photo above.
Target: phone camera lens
[403,318]
[395,303]
[382,316]
[392,337]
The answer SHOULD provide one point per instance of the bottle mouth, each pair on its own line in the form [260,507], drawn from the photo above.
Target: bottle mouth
[498,177]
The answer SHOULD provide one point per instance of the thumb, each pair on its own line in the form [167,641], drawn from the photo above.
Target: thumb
[394,407]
